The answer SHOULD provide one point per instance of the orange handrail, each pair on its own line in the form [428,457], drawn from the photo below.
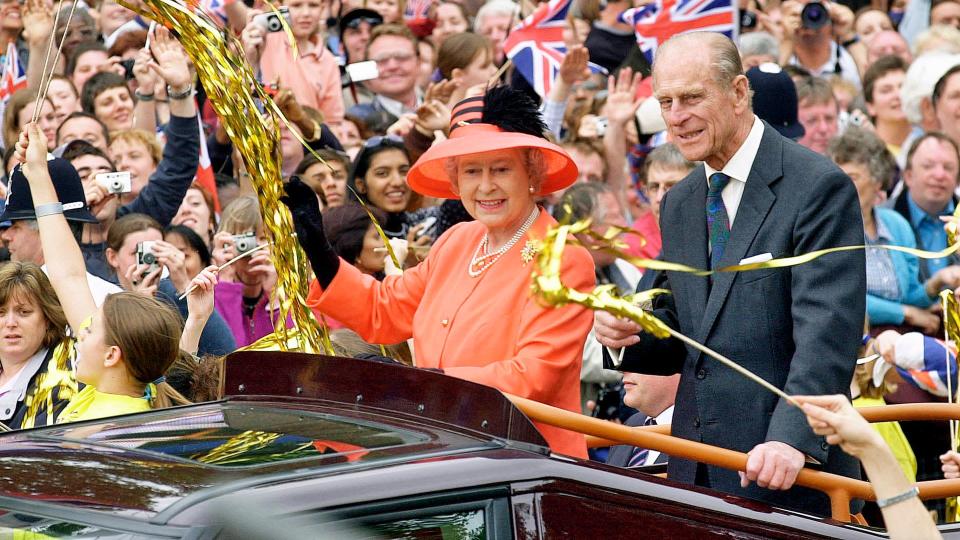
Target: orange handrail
[840,489]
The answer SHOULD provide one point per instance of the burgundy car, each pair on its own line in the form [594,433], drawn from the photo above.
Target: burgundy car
[319,447]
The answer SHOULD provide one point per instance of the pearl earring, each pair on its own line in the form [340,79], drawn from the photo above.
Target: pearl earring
[532,190]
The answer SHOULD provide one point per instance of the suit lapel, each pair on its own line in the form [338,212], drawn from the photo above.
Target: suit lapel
[754,206]
[693,247]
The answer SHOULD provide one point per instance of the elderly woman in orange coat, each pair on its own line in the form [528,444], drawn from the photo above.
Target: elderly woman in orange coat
[468,306]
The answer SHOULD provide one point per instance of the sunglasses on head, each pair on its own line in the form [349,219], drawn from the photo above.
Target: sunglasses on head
[379,140]
[355,23]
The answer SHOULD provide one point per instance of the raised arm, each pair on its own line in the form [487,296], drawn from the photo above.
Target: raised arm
[69,274]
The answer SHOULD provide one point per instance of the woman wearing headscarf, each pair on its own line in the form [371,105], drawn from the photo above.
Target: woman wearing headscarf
[468,306]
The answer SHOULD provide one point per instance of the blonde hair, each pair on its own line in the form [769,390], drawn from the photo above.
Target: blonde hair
[139,136]
[147,331]
[348,343]
[241,216]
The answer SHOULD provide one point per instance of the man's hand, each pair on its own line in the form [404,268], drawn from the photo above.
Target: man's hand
[614,332]
[772,465]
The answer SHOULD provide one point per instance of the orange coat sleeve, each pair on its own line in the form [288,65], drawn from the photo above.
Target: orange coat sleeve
[379,312]
[549,352]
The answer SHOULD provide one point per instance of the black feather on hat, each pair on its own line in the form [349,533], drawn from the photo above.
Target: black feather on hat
[512,110]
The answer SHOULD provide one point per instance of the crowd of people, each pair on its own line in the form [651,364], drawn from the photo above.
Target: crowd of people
[818,120]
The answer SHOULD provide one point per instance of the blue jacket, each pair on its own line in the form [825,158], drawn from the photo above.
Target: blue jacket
[168,185]
[881,310]
[216,338]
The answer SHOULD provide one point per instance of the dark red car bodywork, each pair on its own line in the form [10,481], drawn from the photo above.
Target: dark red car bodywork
[356,440]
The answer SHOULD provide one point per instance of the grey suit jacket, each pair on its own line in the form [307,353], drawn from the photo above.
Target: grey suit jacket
[798,328]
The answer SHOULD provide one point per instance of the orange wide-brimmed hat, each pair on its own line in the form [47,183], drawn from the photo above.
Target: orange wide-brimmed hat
[475,127]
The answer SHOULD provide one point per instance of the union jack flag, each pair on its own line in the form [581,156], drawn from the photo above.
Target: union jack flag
[417,10]
[656,22]
[536,48]
[13,77]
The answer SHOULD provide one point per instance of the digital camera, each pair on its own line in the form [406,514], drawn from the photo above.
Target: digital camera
[146,256]
[244,242]
[115,183]
[814,16]
[271,22]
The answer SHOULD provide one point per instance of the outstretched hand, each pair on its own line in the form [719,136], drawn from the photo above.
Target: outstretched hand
[31,150]
[835,418]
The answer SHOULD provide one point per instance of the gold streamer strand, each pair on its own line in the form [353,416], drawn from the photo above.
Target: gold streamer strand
[606,244]
[547,285]
[951,330]
[59,376]
[233,90]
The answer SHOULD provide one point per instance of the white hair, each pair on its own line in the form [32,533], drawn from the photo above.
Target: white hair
[759,43]
[921,77]
[495,7]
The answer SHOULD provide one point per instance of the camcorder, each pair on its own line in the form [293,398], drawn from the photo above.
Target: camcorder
[115,183]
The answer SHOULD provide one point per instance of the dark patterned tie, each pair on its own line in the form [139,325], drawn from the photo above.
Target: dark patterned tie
[718,223]
[639,456]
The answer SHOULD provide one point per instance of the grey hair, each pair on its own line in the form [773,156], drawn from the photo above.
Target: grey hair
[534,162]
[494,7]
[859,146]
[582,201]
[666,156]
[759,43]
[938,38]
[725,62]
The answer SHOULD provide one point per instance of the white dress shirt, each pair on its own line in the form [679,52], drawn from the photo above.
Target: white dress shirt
[666,417]
[738,169]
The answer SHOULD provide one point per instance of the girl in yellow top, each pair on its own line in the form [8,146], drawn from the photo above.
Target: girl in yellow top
[125,347]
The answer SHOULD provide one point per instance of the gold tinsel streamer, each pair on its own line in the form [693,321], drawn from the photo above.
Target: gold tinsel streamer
[59,376]
[547,284]
[233,90]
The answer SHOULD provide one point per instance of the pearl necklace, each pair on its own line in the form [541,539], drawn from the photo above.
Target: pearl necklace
[479,263]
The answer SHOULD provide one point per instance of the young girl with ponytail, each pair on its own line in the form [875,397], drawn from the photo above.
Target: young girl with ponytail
[125,347]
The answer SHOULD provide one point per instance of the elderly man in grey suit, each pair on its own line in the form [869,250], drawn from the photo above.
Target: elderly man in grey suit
[757,196]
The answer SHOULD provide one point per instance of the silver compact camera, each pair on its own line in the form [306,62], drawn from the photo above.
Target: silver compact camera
[271,21]
[115,183]
[244,242]
[146,256]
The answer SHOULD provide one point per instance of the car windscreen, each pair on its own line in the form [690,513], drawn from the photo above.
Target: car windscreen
[243,435]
